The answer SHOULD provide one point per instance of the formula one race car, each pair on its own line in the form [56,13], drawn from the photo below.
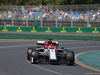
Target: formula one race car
[50,52]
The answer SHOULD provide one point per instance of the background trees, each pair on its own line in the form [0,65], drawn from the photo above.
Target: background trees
[48,2]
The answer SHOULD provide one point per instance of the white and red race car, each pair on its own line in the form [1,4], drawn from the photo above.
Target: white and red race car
[50,53]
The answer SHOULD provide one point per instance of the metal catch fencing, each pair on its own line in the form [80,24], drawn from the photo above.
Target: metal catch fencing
[51,16]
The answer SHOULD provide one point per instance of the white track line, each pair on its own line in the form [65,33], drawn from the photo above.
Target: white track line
[33,64]
[47,69]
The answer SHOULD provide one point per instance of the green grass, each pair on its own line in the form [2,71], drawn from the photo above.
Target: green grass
[37,36]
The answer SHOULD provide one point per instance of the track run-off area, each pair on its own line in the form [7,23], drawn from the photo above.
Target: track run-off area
[13,58]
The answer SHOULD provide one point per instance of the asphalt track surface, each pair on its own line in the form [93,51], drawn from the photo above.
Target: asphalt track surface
[13,58]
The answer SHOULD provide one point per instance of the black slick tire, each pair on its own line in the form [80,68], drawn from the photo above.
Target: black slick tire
[70,58]
[34,57]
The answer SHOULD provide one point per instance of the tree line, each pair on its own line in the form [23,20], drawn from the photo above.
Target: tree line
[48,2]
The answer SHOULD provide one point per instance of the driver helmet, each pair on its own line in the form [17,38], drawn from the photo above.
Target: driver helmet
[49,42]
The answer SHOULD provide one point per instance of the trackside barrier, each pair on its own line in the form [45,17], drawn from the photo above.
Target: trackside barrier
[51,29]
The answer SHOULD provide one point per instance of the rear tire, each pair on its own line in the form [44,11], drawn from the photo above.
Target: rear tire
[70,58]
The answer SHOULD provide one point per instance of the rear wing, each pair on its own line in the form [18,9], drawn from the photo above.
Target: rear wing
[45,42]
[55,42]
[41,42]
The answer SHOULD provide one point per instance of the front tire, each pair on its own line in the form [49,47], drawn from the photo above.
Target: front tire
[70,58]
[28,54]
[29,50]
[34,57]
[28,57]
